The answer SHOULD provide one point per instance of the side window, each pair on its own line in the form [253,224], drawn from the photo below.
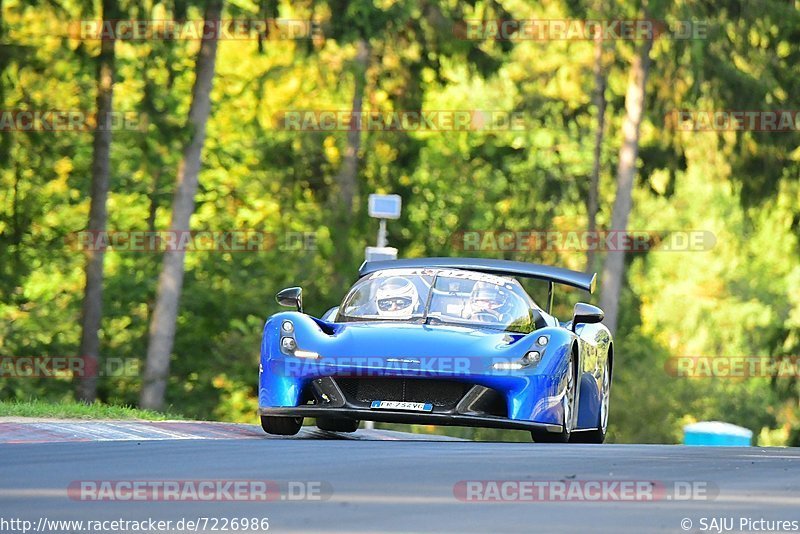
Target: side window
[357,299]
[522,317]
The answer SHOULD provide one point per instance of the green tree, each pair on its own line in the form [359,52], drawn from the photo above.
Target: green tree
[170,284]
[101,170]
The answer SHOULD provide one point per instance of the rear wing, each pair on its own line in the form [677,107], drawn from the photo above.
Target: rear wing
[552,275]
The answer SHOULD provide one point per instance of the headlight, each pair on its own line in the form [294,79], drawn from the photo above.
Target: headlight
[287,327]
[507,366]
[529,359]
[542,341]
[288,344]
[306,354]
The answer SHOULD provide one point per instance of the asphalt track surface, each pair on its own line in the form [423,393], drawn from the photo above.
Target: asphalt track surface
[386,481]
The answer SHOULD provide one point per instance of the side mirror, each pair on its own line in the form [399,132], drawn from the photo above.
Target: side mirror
[291,297]
[586,314]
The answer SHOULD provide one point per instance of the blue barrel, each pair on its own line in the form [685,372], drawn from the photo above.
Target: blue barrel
[716,434]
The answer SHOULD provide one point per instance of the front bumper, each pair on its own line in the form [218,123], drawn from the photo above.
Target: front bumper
[392,416]
[474,406]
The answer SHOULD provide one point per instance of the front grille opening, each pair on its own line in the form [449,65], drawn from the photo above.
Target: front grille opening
[308,395]
[489,402]
[440,393]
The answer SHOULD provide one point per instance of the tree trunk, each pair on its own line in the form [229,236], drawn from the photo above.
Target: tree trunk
[92,312]
[343,201]
[347,179]
[626,171]
[162,323]
[599,98]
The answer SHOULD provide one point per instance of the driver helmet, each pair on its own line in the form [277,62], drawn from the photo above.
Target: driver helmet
[396,297]
[488,298]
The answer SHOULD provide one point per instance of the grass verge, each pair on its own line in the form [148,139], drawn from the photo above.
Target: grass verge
[76,410]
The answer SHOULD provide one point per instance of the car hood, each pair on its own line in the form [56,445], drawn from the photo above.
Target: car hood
[399,340]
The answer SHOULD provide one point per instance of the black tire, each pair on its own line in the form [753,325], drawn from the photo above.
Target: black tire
[281,426]
[337,425]
[598,435]
[542,436]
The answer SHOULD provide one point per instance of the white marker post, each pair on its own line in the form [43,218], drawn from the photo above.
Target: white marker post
[382,207]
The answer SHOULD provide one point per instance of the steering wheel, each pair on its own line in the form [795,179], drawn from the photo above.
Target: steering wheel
[485,317]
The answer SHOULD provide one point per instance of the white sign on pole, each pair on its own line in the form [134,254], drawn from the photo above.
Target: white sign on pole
[385,206]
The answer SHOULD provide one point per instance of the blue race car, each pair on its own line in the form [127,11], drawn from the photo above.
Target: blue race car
[442,341]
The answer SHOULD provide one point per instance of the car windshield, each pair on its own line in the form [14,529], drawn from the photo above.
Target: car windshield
[439,296]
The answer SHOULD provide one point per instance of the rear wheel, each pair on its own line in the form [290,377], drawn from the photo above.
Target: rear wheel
[598,435]
[337,425]
[281,426]
[568,403]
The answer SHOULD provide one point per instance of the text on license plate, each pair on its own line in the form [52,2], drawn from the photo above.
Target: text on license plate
[398,405]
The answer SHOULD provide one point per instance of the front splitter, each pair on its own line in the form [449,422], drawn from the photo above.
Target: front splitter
[396,416]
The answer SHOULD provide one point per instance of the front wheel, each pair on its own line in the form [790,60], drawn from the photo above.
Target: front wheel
[337,425]
[598,435]
[281,426]
[568,402]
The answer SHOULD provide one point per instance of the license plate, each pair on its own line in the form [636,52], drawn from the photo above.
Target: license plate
[397,405]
